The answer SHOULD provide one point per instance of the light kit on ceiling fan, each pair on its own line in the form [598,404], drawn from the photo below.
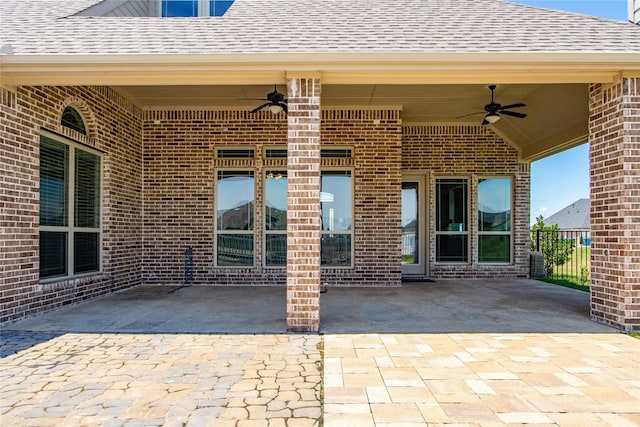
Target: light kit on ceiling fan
[493,110]
[276,105]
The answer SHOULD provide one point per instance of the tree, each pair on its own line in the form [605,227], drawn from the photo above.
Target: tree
[547,240]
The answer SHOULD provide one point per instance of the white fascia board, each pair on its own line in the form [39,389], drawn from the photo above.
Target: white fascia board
[330,58]
[335,68]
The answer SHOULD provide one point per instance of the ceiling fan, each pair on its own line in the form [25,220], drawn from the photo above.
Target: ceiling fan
[276,103]
[493,110]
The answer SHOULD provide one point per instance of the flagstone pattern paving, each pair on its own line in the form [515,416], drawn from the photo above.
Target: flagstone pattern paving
[381,380]
[163,380]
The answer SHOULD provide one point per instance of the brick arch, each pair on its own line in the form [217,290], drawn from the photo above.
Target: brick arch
[88,117]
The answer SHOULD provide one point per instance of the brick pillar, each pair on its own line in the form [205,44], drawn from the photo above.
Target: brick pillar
[303,208]
[614,136]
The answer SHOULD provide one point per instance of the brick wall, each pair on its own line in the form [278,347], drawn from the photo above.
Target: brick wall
[614,136]
[113,127]
[376,138]
[159,173]
[472,152]
[179,177]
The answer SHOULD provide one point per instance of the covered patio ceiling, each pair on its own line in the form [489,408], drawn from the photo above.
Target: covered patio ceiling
[557,114]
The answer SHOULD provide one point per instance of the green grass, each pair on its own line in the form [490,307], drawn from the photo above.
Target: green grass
[566,283]
[571,271]
[408,259]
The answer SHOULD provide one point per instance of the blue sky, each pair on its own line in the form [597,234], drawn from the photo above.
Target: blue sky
[559,180]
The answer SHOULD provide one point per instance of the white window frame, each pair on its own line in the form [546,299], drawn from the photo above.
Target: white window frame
[350,232]
[467,232]
[217,232]
[496,233]
[70,228]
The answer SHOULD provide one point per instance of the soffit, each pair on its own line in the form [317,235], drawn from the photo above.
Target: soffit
[557,113]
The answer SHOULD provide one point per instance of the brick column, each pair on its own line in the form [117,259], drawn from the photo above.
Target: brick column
[614,136]
[303,208]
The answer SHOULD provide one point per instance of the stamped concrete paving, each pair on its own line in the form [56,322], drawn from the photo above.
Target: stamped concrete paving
[163,380]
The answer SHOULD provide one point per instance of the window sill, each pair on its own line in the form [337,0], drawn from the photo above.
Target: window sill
[56,283]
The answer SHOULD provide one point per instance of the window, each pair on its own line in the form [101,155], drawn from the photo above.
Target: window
[275,218]
[69,208]
[451,220]
[336,200]
[73,120]
[336,153]
[192,8]
[236,153]
[275,153]
[494,220]
[234,218]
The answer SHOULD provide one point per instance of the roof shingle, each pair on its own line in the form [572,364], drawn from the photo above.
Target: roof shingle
[295,26]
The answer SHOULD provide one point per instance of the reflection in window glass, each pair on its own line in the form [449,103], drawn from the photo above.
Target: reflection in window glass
[335,250]
[494,220]
[234,197]
[276,250]
[235,250]
[179,8]
[276,200]
[234,218]
[451,220]
[494,204]
[275,218]
[494,248]
[410,231]
[336,201]
[219,7]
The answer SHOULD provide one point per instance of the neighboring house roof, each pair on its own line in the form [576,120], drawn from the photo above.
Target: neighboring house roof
[573,217]
[34,27]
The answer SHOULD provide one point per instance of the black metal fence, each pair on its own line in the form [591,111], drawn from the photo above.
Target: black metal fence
[566,253]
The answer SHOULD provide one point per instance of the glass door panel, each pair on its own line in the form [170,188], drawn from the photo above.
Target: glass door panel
[410,225]
[413,225]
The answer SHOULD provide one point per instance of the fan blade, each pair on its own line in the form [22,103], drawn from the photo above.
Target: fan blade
[508,107]
[255,110]
[284,107]
[514,114]
[485,122]
[470,114]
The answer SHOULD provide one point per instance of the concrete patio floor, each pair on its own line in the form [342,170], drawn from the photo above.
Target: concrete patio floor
[473,353]
[440,306]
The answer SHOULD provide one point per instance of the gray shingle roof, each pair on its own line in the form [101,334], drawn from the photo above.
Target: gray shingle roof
[573,217]
[291,26]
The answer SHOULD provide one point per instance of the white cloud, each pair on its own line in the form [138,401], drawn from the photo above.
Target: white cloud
[544,209]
